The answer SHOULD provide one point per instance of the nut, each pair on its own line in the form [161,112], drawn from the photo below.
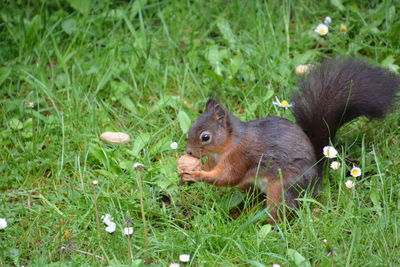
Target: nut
[188,163]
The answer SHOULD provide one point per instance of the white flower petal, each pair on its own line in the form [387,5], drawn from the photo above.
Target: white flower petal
[349,184]
[335,165]
[111,227]
[128,230]
[328,20]
[184,258]
[355,171]
[174,265]
[321,29]
[174,145]
[284,104]
[3,223]
[107,219]
[330,152]
[138,166]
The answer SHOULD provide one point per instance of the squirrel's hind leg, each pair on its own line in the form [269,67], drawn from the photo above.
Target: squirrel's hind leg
[289,188]
[281,198]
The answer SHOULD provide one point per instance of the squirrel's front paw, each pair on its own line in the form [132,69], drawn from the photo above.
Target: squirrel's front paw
[191,176]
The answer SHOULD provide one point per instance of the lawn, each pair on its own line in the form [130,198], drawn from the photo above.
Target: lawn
[71,70]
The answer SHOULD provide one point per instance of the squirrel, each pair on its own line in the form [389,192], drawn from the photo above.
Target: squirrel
[282,158]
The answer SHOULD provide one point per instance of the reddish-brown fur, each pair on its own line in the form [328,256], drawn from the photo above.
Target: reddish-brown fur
[280,152]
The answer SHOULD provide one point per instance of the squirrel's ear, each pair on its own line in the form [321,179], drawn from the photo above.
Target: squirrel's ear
[211,103]
[221,115]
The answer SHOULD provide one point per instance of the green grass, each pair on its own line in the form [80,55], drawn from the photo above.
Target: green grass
[138,68]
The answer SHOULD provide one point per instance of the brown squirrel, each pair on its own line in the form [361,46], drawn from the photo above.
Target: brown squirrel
[278,156]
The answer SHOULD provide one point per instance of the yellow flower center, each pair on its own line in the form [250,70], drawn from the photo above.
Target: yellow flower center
[354,172]
[284,103]
[321,31]
[349,184]
[343,28]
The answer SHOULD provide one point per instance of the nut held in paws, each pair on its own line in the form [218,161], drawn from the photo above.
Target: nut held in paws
[188,163]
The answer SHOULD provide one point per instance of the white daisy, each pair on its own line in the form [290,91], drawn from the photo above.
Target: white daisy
[330,152]
[3,223]
[111,227]
[128,230]
[95,182]
[174,145]
[107,219]
[343,28]
[327,20]
[321,29]
[184,258]
[335,165]
[284,104]
[174,265]
[349,184]
[355,171]
[138,166]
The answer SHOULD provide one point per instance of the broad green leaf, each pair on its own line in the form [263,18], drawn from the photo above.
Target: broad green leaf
[256,263]
[264,231]
[376,201]
[226,31]
[69,26]
[236,63]
[126,165]
[303,58]
[215,55]
[98,153]
[27,134]
[297,258]
[127,103]
[16,124]
[233,200]
[184,121]
[28,123]
[389,62]
[139,144]
[4,73]
[83,6]
[268,95]
[14,255]
[338,4]
[137,5]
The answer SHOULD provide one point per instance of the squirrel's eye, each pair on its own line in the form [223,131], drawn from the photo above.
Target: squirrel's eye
[205,137]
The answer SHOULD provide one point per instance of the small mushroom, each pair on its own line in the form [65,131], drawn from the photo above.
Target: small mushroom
[115,138]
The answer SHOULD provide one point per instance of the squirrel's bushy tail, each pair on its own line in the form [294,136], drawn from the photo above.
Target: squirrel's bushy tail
[338,91]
